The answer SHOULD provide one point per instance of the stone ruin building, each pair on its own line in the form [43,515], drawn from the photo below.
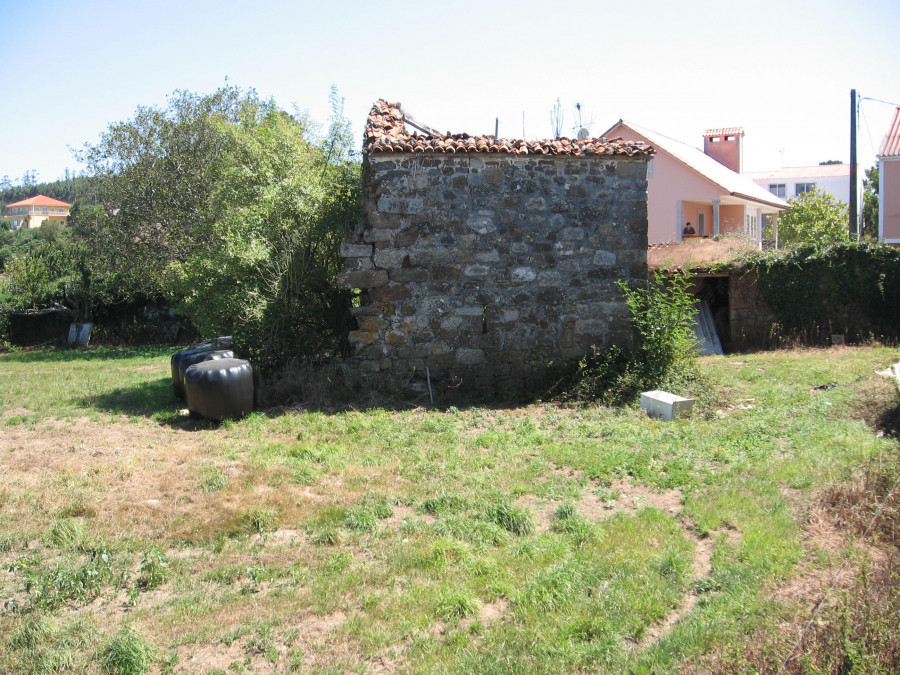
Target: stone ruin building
[482,261]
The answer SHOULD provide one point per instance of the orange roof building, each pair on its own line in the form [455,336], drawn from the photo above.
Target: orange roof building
[35,211]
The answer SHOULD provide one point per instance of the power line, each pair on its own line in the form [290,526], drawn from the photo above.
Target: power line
[877,100]
[865,120]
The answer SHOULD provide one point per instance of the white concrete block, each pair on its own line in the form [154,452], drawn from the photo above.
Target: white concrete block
[666,406]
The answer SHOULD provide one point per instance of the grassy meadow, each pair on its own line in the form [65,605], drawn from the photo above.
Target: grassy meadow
[411,539]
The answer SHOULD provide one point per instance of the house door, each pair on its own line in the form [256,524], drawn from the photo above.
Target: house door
[701,223]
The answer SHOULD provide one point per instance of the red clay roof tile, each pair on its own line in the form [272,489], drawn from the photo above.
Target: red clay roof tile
[725,131]
[386,132]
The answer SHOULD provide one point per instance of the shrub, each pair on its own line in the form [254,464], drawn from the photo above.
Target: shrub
[663,317]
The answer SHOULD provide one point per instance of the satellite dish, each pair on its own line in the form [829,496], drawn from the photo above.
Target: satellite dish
[583,134]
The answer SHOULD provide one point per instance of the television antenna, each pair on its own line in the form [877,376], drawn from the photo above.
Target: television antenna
[582,129]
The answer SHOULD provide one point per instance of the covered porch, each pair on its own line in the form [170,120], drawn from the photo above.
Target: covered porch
[727,215]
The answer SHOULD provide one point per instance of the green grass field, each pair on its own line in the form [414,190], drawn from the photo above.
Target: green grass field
[537,539]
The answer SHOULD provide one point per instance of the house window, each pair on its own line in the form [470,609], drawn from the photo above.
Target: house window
[800,188]
[650,169]
[777,189]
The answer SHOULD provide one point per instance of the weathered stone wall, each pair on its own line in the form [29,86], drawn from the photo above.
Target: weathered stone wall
[485,268]
[750,317]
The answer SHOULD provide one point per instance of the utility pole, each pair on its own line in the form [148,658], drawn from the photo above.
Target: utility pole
[853,194]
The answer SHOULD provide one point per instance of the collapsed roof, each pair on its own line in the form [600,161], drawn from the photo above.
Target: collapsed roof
[387,131]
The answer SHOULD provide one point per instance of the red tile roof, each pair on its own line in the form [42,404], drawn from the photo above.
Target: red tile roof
[725,131]
[890,146]
[39,200]
[386,132]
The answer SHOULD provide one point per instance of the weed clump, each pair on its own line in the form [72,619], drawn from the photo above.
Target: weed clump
[154,570]
[213,480]
[262,520]
[511,518]
[453,605]
[366,515]
[38,644]
[67,533]
[126,653]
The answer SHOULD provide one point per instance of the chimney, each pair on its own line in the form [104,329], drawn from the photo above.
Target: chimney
[726,147]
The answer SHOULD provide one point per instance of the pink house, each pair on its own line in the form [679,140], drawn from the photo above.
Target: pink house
[693,192]
[889,184]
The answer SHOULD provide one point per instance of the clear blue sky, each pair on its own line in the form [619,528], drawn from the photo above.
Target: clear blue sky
[782,70]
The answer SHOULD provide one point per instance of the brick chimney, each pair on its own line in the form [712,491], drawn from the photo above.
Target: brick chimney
[726,147]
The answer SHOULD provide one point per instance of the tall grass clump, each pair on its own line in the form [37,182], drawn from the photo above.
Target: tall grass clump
[127,653]
[662,315]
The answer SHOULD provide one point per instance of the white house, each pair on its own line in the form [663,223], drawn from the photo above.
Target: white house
[795,180]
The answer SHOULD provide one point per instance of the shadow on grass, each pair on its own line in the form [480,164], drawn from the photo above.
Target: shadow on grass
[147,399]
[889,422]
[98,354]
[153,399]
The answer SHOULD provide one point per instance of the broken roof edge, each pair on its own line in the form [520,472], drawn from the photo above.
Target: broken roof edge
[702,257]
[386,132]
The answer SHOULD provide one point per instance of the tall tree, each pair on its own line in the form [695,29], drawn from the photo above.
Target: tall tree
[234,208]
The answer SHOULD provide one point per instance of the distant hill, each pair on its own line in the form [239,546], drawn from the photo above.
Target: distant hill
[84,189]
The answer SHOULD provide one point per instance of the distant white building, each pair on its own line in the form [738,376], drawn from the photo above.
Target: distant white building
[795,180]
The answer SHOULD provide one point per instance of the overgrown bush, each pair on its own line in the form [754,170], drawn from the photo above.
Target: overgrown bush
[814,216]
[852,289]
[663,316]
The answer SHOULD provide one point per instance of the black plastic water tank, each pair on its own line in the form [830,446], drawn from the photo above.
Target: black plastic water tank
[191,357]
[219,389]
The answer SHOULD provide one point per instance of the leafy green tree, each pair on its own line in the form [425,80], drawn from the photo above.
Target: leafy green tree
[234,208]
[157,173]
[284,204]
[814,217]
[870,204]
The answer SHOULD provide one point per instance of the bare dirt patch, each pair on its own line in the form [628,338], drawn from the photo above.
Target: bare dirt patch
[628,498]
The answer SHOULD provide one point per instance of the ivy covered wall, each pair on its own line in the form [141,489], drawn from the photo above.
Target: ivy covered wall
[812,292]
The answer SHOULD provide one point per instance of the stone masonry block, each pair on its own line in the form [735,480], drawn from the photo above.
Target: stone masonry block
[356,250]
[389,258]
[363,279]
